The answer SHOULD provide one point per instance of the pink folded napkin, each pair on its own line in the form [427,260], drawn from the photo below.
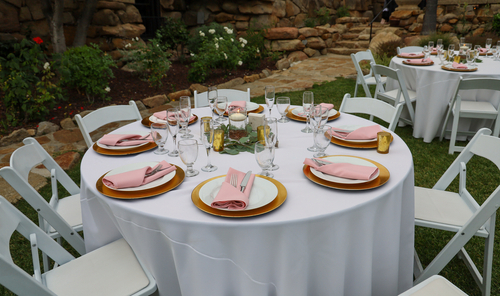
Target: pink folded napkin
[327,106]
[116,139]
[362,133]
[137,177]
[456,65]
[410,54]
[344,170]
[163,116]
[230,197]
[483,50]
[242,104]
[419,61]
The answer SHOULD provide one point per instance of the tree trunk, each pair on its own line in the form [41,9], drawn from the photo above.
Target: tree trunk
[84,22]
[54,17]
[430,17]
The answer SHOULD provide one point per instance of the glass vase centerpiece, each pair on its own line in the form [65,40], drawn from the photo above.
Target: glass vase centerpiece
[238,120]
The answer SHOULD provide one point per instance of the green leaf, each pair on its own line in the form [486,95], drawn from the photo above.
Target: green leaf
[243,140]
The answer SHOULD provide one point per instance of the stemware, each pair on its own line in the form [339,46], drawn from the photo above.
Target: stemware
[307,103]
[188,150]
[159,132]
[271,136]
[173,127]
[440,54]
[282,103]
[207,138]
[489,41]
[469,56]
[439,43]
[431,45]
[270,94]
[264,155]
[451,52]
[494,50]
[220,107]
[426,52]
[211,97]
[316,117]
[185,116]
[322,138]
[477,51]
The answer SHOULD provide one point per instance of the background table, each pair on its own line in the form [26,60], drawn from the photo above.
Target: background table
[321,241]
[435,87]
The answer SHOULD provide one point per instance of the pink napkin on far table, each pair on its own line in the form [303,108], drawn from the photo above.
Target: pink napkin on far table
[483,50]
[362,133]
[419,61]
[230,197]
[410,54]
[242,104]
[456,65]
[137,177]
[163,116]
[114,139]
[344,170]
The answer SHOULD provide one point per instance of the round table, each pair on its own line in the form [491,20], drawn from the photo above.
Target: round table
[435,87]
[320,241]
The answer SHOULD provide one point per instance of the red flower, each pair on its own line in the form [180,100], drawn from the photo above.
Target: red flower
[38,40]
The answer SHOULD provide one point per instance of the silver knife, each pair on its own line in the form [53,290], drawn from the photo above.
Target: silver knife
[243,183]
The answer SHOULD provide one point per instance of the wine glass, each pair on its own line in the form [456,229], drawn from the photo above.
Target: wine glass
[451,52]
[188,150]
[159,133]
[271,135]
[270,94]
[469,56]
[282,103]
[440,54]
[212,96]
[185,116]
[431,45]
[494,51]
[220,107]
[207,138]
[264,155]
[316,117]
[173,126]
[426,51]
[307,103]
[477,51]
[489,41]
[322,138]
[439,44]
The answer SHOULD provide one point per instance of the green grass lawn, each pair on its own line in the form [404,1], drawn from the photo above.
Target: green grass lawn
[430,161]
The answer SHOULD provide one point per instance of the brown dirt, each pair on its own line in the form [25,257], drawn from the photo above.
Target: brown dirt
[128,86]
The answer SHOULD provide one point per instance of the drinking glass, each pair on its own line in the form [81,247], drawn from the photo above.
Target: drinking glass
[270,94]
[207,138]
[469,45]
[188,150]
[185,115]
[462,41]
[488,45]
[441,57]
[451,52]
[159,133]
[173,127]
[431,45]
[220,107]
[307,103]
[426,51]
[469,56]
[477,51]
[322,138]
[211,96]
[264,155]
[439,43]
[494,52]
[282,103]
[271,136]
[316,117]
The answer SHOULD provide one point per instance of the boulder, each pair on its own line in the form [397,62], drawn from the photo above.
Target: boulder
[445,18]
[308,32]
[311,52]
[155,101]
[464,28]
[110,5]
[35,7]
[140,105]
[68,136]
[407,22]
[283,64]
[291,9]
[67,123]
[297,56]
[282,33]
[446,28]
[130,15]
[105,17]
[231,83]
[17,3]
[125,30]
[224,17]
[24,14]
[478,32]
[279,8]
[299,20]
[176,95]
[46,127]
[263,21]
[67,160]
[251,78]
[316,43]
[287,45]
[15,137]
[9,20]
[241,26]
[416,27]
[255,7]
[229,7]
[402,14]
[198,87]
[382,38]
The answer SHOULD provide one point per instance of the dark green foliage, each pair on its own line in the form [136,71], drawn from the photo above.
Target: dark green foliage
[172,33]
[434,37]
[343,11]
[496,24]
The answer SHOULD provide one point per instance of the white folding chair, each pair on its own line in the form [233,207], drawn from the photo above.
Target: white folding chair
[372,107]
[410,49]
[470,109]
[102,116]
[436,285]
[201,99]
[460,213]
[364,80]
[59,217]
[111,270]
[401,94]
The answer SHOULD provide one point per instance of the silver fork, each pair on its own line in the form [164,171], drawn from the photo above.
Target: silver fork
[154,171]
[234,180]
[319,162]
[126,140]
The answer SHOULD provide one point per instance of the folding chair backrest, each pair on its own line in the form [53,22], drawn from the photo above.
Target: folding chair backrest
[201,99]
[362,56]
[102,116]
[377,108]
[410,49]
[479,83]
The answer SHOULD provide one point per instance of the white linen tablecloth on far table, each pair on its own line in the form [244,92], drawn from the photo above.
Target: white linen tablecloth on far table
[321,241]
[435,87]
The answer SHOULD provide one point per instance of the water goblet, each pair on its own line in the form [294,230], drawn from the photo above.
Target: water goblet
[159,133]
[431,45]
[451,53]
[307,103]
[271,136]
[185,116]
[282,103]
[440,54]
[439,43]
[469,56]
[221,106]
[207,138]
[489,41]
[426,51]
[477,51]
[316,117]
[494,50]
[264,155]
[270,94]
[322,138]
[188,151]
[173,127]
[212,96]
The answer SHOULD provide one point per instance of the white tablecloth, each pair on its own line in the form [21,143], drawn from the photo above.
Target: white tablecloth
[435,87]
[321,241]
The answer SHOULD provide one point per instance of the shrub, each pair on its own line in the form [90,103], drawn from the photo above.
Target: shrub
[343,11]
[27,81]
[434,37]
[310,22]
[496,24]
[389,48]
[323,15]
[172,33]
[87,69]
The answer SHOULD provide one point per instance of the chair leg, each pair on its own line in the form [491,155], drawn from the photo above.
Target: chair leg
[445,123]
[454,131]
[417,265]
[488,257]
[356,89]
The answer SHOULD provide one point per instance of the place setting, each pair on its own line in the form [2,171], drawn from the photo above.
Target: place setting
[303,113]
[250,107]
[356,136]
[419,62]
[124,143]
[411,55]
[183,114]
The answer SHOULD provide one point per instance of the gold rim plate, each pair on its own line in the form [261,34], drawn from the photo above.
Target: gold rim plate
[133,150]
[147,123]
[176,181]
[421,64]
[414,57]
[292,116]
[365,145]
[458,70]
[278,201]
[377,182]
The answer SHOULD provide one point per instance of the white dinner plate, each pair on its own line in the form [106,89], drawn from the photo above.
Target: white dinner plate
[251,106]
[141,133]
[351,128]
[135,166]
[155,119]
[296,111]
[345,159]
[263,192]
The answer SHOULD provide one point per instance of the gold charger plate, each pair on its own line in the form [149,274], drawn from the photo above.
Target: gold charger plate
[484,53]
[278,201]
[133,150]
[420,64]
[176,181]
[377,182]
[292,116]
[147,123]
[458,70]
[413,57]
[258,110]
[365,145]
